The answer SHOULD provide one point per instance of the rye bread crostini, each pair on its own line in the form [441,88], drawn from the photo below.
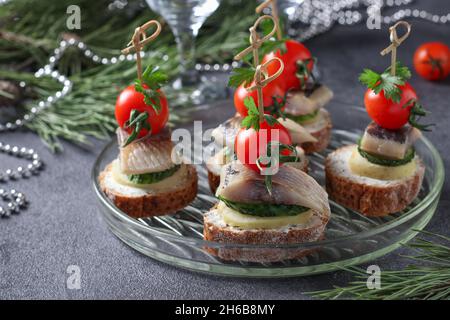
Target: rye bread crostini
[148,178]
[382,174]
[295,211]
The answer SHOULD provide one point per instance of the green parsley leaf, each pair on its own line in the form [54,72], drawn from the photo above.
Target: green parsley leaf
[242,75]
[153,79]
[369,78]
[271,46]
[386,82]
[401,71]
[252,120]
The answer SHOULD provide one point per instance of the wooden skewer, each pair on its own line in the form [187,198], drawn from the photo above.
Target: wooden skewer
[255,44]
[276,17]
[139,40]
[395,43]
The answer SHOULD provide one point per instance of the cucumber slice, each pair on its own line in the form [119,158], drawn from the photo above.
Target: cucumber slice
[153,177]
[304,117]
[375,159]
[264,209]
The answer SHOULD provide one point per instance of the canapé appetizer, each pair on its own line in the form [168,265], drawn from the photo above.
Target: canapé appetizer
[264,196]
[382,174]
[148,178]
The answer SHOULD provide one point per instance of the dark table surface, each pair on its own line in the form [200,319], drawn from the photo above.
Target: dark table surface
[63,227]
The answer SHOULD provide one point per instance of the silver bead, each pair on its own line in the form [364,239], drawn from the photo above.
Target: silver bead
[10,126]
[23,151]
[9,173]
[19,202]
[20,171]
[3,193]
[13,192]
[20,195]
[7,148]
[13,208]
[35,156]
[4,213]
[29,153]
[37,164]
[31,168]
[15,151]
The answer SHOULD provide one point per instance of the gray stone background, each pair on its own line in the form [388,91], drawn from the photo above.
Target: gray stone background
[63,227]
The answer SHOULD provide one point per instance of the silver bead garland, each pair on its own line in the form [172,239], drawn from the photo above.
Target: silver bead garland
[15,202]
[16,199]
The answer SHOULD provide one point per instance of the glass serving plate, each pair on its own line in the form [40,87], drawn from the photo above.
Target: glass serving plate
[351,238]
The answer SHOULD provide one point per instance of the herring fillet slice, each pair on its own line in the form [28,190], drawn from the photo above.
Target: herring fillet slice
[300,104]
[392,144]
[298,133]
[226,132]
[290,186]
[153,154]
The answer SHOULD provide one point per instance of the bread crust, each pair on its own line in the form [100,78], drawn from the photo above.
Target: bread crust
[323,137]
[213,180]
[372,200]
[224,233]
[149,205]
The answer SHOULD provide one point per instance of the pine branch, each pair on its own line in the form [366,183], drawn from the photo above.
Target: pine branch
[430,281]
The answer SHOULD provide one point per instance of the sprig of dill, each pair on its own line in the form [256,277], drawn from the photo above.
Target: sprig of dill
[428,280]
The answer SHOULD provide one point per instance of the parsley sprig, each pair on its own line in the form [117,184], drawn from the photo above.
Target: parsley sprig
[241,75]
[417,111]
[386,82]
[152,80]
[252,119]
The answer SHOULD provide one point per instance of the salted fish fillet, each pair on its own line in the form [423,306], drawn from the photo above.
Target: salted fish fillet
[298,103]
[152,154]
[391,144]
[298,133]
[225,134]
[290,186]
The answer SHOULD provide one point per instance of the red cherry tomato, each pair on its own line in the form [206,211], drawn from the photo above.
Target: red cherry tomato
[270,91]
[130,99]
[295,52]
[385,112]
[432,61]
[251,144]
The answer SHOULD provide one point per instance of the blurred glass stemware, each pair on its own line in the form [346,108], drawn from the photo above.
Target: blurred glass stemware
[185,17]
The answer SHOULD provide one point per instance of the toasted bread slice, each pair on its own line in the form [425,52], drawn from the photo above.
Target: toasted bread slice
[371,197]
[321,130]
[216,229]
[147,202]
